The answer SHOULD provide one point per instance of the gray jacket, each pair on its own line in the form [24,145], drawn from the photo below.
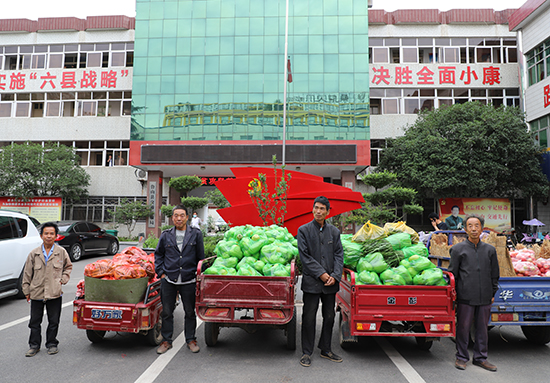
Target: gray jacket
[476,272]
[320,252]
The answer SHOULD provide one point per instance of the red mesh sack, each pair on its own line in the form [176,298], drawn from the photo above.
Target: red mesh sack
[129,271]
[99,269]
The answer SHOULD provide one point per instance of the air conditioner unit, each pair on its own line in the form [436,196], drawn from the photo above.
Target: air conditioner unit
[141,175]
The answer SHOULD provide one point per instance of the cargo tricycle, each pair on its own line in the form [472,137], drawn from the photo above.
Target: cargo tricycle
[248,302]
[424,312]
[142,317]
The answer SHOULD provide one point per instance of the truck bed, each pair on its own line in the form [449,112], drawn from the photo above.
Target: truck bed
[245,299]
[379,310]
[522,300]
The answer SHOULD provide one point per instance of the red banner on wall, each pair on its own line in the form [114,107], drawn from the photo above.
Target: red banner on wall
[496,212]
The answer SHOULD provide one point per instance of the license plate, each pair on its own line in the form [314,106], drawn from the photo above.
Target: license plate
[106,314]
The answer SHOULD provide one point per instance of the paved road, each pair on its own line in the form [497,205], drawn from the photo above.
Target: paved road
[243,357]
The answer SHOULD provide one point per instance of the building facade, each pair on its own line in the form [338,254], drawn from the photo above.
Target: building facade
[69,81]
[209,88]
[531,23]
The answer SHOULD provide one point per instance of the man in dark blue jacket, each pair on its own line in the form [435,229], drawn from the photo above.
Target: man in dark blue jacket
[176,257]
[474,265]
[322,259]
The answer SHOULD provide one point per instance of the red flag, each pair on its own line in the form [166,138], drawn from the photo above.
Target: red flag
[289,78]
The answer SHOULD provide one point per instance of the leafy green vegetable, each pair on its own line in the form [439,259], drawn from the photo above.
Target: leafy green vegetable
[367,278]
[364,265]
[399,240]
[377,261]
[416,249]
[420,263]
[390,277]
[352,252]
[384,247]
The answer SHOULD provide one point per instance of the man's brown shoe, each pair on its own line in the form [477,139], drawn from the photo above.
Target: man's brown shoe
[193,346]
[164,346]
[460,364]
[486,365]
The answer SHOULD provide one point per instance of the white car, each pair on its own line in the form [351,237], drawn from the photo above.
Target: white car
[18,236]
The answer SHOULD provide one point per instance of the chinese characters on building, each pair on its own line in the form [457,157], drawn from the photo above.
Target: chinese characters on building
[403,75]
[89,79]
[547,96]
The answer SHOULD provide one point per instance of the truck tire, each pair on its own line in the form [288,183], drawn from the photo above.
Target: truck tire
[154,336]
[291,333]
[537,334]
[211,332]
[344,328]
[423,344]
[95,336]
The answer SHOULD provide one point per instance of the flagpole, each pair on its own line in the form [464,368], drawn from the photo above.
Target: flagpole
[286,81]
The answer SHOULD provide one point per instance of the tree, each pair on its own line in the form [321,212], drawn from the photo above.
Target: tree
[30,170]
[382,205]
[128,213]
[468,150]
[185,184]
[217,198]
[194,203]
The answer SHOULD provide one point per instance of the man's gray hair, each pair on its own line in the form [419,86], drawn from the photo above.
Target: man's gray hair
[471,216]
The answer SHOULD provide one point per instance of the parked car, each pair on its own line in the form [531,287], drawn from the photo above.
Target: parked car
[18,236]
[79,238]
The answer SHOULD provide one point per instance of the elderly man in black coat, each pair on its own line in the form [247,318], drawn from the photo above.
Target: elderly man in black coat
[322,259]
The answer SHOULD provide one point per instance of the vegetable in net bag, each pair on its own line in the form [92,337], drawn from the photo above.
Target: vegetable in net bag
[401,227]
[220,270]
[399,240]
[368,231]
[385,248]
[276,270]
[99,269]
[259,265]
[352,253]
[248,270]
[404,273]
[230,262]
[251,246]
[129,271]
[367,278]
[246,260]
[420,263]
[377,261]
[416,249]
[226,249]
[407,265]
[390,277]
[364,265]
[278,252]
[430,277]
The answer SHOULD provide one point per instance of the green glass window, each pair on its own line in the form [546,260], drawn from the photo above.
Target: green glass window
[224,60]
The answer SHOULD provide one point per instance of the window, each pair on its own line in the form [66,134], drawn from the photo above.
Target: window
[5,109]
[451,55]
[390,106]
[118,58]
[53,109]
[95,60]
[56,61]
[38,61]
[22,109]
[380,55]
[410,55]
[8,230]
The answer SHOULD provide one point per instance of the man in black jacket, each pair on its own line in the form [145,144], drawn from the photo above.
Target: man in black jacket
[474,265]
[176,257]
[322,259]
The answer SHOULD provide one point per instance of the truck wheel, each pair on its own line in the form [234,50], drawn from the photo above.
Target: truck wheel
[95,336]
[423,344]
[75,252]
[291,333]
[211,332]
[537,334]
[154,336]
[344,329]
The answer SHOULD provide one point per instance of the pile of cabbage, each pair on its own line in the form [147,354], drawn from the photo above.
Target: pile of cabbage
[390,257]
[255,251]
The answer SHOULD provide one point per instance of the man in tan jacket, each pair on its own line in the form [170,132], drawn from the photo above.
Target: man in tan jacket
[47,268]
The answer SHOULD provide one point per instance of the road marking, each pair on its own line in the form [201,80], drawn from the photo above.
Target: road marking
[25,319]
[406,369]
[162,361]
